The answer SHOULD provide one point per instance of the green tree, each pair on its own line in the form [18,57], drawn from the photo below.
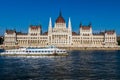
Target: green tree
[118,42]
[1,40]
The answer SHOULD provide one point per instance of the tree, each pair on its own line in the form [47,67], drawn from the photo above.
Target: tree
[118,42]
[1,40]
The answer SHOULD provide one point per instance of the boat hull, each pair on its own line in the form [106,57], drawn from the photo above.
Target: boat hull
[63,54]
[51,51]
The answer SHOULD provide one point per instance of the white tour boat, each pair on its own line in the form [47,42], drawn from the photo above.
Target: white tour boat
[51,50]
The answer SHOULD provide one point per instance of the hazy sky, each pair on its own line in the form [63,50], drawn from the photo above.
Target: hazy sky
[19,14]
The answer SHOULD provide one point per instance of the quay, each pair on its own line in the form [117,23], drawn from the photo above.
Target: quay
[91,48]
[74,48]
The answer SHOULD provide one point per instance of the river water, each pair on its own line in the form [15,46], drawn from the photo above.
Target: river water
[79,65]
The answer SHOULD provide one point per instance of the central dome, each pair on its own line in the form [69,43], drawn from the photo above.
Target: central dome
[60,19]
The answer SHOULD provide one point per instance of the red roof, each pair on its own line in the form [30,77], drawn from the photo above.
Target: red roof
[10,31]
[60,19]
[110,32]
[35,27]
[85,27]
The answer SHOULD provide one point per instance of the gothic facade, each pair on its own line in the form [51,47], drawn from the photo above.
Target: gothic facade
[61,36]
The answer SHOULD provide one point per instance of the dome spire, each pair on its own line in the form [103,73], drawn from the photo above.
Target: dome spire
[60,19]
[60,14]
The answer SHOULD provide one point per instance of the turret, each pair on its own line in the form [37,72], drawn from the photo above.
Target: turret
[50,32]
[35,30]
[85,30]
[70,31]
[50,25]
[69,25]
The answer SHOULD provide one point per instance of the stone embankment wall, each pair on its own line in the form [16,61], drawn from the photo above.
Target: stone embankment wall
[75,48]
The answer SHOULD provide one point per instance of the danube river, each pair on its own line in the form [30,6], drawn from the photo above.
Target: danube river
[79,65]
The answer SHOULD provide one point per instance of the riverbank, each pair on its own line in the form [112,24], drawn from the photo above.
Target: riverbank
[92,48]
[75,48]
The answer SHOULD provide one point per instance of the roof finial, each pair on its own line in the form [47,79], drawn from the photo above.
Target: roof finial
[60,14]
[90,24]
[80,24]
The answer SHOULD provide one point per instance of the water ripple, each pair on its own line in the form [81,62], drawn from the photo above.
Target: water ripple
[79,65]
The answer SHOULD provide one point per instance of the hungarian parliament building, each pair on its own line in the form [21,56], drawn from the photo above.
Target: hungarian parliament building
[60,35]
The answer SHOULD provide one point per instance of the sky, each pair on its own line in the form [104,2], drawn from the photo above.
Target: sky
[19,14]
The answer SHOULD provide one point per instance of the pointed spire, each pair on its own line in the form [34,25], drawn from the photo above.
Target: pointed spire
[80,23]
[90,24]
[50,23]
[60,14]
[69,24]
